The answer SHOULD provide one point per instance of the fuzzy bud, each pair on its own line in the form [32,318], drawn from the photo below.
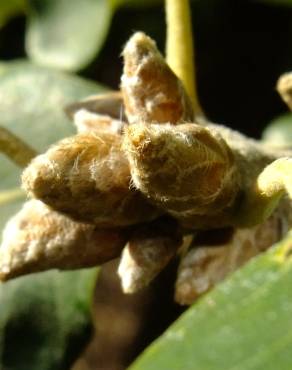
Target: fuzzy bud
[38,239]
[148,251]
[87,177]
[152,92]
[184,169]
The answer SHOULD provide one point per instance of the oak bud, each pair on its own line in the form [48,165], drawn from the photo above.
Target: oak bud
[87,177]
[38,239]
[152,92]
[148,251]
[185,169]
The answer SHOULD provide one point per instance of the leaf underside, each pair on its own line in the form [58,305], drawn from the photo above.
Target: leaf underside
[243,324]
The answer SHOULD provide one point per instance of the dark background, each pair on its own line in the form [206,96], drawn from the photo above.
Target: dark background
[241,49]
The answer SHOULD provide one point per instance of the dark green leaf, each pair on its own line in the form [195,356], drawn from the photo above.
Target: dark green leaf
[45,320]
[243,324]
[67,34]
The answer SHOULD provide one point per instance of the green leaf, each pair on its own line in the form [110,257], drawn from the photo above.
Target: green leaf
[279,131]
[10,202]
[11,8]
[45,320]
[243,324]
[31,106]
[67,34]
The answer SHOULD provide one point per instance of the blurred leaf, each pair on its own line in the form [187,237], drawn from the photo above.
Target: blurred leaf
[10,8]
[9,208]
[31,106]
[10,201]
[67,34]
[279,132]
[243,324]
[45,319]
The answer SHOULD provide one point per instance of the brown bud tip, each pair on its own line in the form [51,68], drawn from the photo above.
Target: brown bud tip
[38,239]
[87,177]
[185,168]
[147,253]
[152,92]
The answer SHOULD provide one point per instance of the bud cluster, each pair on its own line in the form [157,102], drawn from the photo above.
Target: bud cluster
[141,173]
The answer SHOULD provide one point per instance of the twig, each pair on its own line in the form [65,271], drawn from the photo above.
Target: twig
[16,149]
[7,196]
[179,47]
[271,185]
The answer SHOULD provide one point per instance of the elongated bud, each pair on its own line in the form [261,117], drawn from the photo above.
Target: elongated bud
[87,177]
[152,92]
[108,104]
[38,239]
[205,266]
[185,169]
[147,253]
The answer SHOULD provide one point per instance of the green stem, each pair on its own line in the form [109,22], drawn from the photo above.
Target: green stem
[179,47]
[14,148]
[7,196]
[272,184]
